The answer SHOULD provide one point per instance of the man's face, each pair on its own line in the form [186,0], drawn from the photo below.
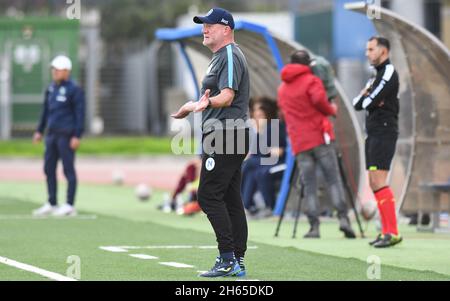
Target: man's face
[374,52]
[59,75]
[213,34]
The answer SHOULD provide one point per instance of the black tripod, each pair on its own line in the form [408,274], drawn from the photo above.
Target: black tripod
[299,206]
[349,192]
[302,192]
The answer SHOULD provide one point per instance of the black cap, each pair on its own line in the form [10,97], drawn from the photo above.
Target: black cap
[216,16]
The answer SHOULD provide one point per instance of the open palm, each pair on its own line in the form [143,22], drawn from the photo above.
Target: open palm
[203,103]
[184,110]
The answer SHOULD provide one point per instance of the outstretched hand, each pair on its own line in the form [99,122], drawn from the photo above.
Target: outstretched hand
[203,103]
[184,110]
[191,106]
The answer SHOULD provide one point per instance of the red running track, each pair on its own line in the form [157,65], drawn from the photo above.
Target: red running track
[161,172]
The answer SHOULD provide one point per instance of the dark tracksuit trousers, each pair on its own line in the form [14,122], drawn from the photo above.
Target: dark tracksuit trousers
[219,192]
[58,147]
[258,178]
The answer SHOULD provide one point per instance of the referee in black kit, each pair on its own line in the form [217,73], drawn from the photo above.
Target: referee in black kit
[224,103]
[380,101]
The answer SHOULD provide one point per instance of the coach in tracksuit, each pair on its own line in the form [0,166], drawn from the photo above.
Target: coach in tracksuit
[380,100]
[224,107]
[63,115]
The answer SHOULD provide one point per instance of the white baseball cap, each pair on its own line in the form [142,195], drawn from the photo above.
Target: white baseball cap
[61,62]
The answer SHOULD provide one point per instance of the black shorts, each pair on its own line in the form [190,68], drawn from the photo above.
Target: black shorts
[379,151]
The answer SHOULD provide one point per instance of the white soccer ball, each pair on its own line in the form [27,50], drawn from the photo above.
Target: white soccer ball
[97,126]
[368,210]
[118,177]
[143,192]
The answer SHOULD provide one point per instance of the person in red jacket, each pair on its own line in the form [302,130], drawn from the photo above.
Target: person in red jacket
[303,100]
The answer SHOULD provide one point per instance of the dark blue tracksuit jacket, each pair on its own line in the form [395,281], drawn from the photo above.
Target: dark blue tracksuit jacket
[64,108]
[63,115]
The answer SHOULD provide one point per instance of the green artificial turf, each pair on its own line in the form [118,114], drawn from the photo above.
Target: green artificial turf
[122,220]
[98,146]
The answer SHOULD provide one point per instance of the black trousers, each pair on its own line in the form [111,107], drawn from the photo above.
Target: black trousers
[57,146]
[219,192]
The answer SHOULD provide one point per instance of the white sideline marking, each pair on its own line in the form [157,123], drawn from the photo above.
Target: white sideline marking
[143,256]
[30,268]
[164,247]
[31,217]
[176,264]
[114,249]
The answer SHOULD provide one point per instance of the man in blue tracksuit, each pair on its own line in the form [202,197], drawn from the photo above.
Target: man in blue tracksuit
[63,115]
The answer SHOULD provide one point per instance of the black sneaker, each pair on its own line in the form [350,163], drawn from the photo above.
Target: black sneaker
[388,240]
[313,230]
[243,272]
[344,226]
[223,268]
[377,239]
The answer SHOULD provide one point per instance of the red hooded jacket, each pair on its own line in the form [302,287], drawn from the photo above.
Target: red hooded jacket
[303,100]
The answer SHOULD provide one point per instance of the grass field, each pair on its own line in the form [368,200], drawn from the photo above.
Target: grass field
[99,146]
[110,216]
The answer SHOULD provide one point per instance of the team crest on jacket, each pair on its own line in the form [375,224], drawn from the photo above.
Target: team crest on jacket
[210,164]
[61,95]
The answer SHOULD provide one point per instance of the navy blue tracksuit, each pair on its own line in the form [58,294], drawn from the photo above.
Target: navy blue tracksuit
[63,115]
[255,175]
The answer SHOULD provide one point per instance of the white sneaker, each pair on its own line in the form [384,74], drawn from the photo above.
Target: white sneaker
[166,208]
[45,210]
[65,210]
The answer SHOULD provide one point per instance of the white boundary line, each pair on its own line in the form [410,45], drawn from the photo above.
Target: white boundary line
[201,272]
[143,256]
[124,249]
[114,249]
[177,265]
[30,268]
[30,217]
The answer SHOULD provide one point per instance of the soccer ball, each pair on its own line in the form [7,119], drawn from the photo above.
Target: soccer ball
[97,126]
[368,210]
[117,177]
[143,192]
